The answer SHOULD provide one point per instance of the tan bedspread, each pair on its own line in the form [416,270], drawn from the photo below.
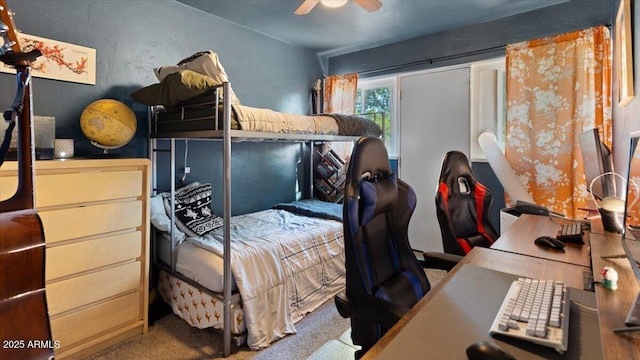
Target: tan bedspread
[259,119]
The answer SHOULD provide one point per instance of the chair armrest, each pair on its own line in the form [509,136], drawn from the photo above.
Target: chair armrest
[438,260]
[370,308]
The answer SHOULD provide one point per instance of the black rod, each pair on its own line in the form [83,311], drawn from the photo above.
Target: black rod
[430,61]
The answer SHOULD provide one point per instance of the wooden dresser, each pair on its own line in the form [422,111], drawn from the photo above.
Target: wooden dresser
[95,215]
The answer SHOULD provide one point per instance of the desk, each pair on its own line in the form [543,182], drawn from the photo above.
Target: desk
[520,236]
[460,309]
[414,332]
[613,305]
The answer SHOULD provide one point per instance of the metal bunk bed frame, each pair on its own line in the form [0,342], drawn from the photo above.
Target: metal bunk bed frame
[227,136]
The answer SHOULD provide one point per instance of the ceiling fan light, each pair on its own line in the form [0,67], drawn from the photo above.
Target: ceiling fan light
[333,3]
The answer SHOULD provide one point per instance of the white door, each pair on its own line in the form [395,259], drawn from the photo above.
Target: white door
[434,119]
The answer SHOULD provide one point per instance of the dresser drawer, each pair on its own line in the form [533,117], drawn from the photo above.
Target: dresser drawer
[90,254]
[77,188]
[85,289]
[72,223]
[84,324]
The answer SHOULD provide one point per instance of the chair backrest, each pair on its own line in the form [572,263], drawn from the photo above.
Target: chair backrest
[379,260]
[462,207]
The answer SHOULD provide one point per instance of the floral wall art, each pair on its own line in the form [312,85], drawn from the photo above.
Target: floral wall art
[59,60]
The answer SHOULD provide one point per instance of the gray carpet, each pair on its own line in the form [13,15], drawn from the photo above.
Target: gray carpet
[172,338]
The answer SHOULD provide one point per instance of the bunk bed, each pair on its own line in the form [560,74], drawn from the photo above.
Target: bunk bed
[217,119]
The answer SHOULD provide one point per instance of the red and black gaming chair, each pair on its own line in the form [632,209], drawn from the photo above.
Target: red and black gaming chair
[462,207]
[383,277]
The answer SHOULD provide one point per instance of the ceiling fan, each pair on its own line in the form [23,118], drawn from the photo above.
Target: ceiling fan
[308,5]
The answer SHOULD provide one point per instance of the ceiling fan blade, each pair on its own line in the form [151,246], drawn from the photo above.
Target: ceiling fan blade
[306,6]
[369,5]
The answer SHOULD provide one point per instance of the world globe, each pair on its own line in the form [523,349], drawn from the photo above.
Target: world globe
[108,123]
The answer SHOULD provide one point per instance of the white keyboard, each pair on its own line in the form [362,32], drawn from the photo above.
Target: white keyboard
[535,311]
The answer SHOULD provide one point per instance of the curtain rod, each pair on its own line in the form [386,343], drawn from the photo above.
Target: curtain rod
[430,61]
[441,58]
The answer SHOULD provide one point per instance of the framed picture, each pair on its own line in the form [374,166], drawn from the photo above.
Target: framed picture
[59,60]
[624,53]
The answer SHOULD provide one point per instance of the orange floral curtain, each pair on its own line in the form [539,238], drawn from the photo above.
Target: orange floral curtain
[340,93]
[557,88]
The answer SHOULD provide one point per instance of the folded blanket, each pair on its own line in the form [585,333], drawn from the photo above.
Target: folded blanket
[313,208]
[354,125]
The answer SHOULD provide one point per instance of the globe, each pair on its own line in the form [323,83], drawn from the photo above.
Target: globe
[108,123]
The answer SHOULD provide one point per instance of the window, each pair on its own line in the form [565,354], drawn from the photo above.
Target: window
[376,99]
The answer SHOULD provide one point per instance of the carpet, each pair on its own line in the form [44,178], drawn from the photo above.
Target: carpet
[322,334]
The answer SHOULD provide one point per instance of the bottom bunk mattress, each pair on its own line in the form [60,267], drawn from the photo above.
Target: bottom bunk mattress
[284,265]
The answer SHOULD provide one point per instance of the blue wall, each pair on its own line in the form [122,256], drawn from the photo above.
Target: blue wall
[414,54]
[446,48]
[133,37]
[263,174]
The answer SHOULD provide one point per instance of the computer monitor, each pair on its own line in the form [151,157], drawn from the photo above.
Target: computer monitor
[597,160]
[631,225]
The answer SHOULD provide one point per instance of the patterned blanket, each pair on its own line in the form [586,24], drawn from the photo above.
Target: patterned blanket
[285,265]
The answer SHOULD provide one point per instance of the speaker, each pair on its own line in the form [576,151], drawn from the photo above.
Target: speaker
[44,135]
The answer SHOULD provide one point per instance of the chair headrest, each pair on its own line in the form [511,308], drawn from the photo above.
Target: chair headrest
[456,172]
[369,160]
[371,187]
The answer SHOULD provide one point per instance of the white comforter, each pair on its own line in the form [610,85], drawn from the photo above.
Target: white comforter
[285,265]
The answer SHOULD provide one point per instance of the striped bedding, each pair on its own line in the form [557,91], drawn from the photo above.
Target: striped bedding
[284,265]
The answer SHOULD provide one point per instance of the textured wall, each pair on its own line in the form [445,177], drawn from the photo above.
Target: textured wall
[133,37]
[414,54]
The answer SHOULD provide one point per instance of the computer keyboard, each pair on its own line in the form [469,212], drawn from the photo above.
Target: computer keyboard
[571,233]
[535,311]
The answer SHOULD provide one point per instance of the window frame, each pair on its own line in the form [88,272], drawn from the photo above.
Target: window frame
[391,82]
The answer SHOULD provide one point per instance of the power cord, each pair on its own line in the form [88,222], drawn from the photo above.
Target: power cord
[187,169]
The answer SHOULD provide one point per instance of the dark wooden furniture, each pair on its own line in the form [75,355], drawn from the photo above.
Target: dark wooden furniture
[519,257]
[520,237]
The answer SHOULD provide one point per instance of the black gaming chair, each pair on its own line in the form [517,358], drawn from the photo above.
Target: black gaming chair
[462,207]
[383,277]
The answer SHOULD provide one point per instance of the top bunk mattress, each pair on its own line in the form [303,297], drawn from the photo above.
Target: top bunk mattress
[209,117]
[186,103]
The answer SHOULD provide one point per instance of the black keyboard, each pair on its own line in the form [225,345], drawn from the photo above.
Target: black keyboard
[571,233]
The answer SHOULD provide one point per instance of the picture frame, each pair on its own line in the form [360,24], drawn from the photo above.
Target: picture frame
[59,60]
[624,53]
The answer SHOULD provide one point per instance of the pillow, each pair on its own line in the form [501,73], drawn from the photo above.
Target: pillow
[159,218]
[193,209]
[377,197]
[175,89]
[205,63]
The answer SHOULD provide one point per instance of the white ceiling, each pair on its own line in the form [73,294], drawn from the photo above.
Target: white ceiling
[330,32]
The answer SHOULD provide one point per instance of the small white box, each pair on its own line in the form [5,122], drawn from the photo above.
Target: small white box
[63,148]
[507,218]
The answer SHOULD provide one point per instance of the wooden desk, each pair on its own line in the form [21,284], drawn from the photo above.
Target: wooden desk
[613,305]
[507,262]
[520,237]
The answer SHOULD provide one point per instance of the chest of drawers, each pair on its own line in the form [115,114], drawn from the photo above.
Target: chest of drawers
[95,215]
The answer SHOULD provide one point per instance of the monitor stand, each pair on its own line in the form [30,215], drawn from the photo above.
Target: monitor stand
[633,318]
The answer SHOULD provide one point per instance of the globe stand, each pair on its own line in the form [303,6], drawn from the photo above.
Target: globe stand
[105,154]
